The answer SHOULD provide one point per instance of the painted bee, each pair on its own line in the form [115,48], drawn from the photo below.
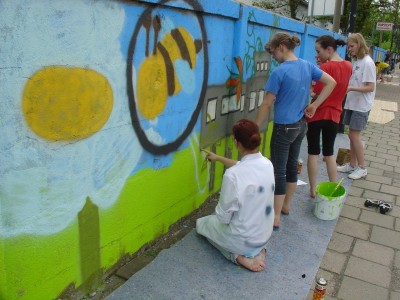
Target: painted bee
[158,77]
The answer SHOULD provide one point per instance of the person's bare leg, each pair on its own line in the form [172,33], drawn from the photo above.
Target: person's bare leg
[312,170]
[358,147]
[353,157]
[290,189]
[278,203]
[331,167]
[255,264]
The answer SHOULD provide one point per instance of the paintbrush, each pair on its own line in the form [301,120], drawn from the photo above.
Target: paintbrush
[336,187]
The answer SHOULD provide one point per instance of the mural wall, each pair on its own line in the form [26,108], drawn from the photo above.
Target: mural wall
[105,106]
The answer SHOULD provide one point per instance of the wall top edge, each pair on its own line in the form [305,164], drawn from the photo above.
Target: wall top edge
[225,8]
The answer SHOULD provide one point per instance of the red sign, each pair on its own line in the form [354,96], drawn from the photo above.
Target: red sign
[384,26]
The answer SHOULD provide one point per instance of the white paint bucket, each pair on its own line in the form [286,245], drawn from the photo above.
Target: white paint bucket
[327,206]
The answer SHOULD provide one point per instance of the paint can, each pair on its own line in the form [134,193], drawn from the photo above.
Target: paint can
[299,166]
[327,206]
[320,289]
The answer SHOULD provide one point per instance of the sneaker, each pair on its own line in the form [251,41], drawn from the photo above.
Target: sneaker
[358,173]
[346,168]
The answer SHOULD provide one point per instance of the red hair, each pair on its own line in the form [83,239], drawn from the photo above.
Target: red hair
[247,133]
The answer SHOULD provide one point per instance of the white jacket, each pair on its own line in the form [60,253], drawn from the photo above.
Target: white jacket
[244,215]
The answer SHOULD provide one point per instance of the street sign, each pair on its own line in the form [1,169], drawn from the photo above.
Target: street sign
[384,26]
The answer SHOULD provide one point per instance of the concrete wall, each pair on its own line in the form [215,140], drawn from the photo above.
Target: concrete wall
[104,107]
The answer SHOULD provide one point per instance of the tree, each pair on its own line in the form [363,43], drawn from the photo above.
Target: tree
[270,5]
[293,5]
[287,8]
[369,12]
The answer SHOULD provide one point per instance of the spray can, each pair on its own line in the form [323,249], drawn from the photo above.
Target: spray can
[320,289]
[299,165]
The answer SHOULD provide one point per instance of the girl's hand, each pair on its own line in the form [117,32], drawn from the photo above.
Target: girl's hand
[210,156]
[310,111]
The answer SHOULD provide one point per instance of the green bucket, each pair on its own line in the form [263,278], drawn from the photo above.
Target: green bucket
[327,205]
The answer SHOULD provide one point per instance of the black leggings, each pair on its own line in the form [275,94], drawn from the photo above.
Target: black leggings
[329,130]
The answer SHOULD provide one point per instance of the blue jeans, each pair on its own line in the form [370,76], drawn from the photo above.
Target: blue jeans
[285,149]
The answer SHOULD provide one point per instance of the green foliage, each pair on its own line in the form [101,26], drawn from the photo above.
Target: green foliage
[368,13]
[287,8]
[265,4]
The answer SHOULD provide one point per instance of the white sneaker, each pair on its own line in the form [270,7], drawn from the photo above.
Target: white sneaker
[346,168]
[358,173]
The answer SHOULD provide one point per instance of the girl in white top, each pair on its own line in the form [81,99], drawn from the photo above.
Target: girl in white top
[244,215]
[360,94]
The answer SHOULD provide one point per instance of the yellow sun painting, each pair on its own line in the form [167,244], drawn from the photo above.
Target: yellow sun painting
[65,104]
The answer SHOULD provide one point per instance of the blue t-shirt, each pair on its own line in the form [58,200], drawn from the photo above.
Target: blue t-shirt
[291,83]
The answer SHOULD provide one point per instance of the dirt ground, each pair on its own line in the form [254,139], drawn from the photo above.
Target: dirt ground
[128,266]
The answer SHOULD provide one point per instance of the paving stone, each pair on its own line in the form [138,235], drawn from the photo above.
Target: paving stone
[369,152]
[333,261]
[394,128]
[387,189]
[371,144]
[397,224]
[350,212]
[394,152]
[385,237]
[393,135]
[375,171]
[371,139]
[340,243]
[396,262]
[387,156]
[353,228]
[396,182]
[355,191]
[394,295]
[373,252]
[372,130]
[354,289]
[396,280]
[368,185]
[394,175]
[393,163]
[374,158]
[389,147]
[379,178]
[395,212]
[372,216]
[379,196]
[368,271]
[377,149]
[355,201]
[381,166]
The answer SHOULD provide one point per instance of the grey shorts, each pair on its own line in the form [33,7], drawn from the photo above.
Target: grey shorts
[356,120]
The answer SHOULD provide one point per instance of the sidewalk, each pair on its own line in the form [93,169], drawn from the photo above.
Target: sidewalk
[358,253]
[362,260]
